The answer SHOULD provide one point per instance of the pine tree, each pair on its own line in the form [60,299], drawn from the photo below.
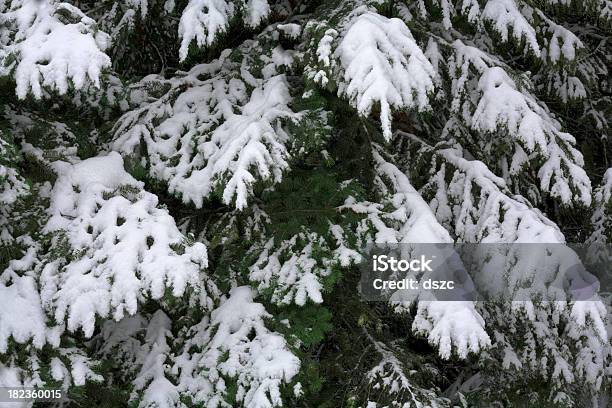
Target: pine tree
[186,189]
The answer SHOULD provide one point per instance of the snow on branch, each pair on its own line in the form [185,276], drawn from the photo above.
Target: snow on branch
[73,366]
[50,45]
[375,61]
[193,158]
[208,134]
[475,204]
[19,297]
[410,220]
[151,381]
[516,20]
[413,219]
[501,101]
[560,44]
[505,15]
[478,208]
[294,268]
[451,326]
[13,186]
[601,219]
[392,380]
[235,345]
[114,245]
[203,20]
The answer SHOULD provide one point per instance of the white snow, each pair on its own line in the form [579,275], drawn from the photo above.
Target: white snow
[203,20]
[602,217]
[49,53]
[298,278]
[21,314]
[390,378]
[481,211]
[501,102]
[126,245]
[560,43]
[505,15]
[12,188]
[414,222]
[291,30]
[213,135]
[258,359]
[76,367]
[157,390]
[449,324]
[382,64]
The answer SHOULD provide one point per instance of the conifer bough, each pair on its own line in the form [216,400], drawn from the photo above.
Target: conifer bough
[186,188]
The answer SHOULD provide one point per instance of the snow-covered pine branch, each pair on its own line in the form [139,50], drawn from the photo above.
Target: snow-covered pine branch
[486,99]
[235,344]
[50,45]
[602,213]
[372,61]
[391,381]
[110,247]
[410,220]
[203,20]
[12,186]
[238,140]
[475,204]
[321,128]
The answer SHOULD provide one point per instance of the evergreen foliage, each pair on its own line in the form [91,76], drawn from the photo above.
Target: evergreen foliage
[186,188]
